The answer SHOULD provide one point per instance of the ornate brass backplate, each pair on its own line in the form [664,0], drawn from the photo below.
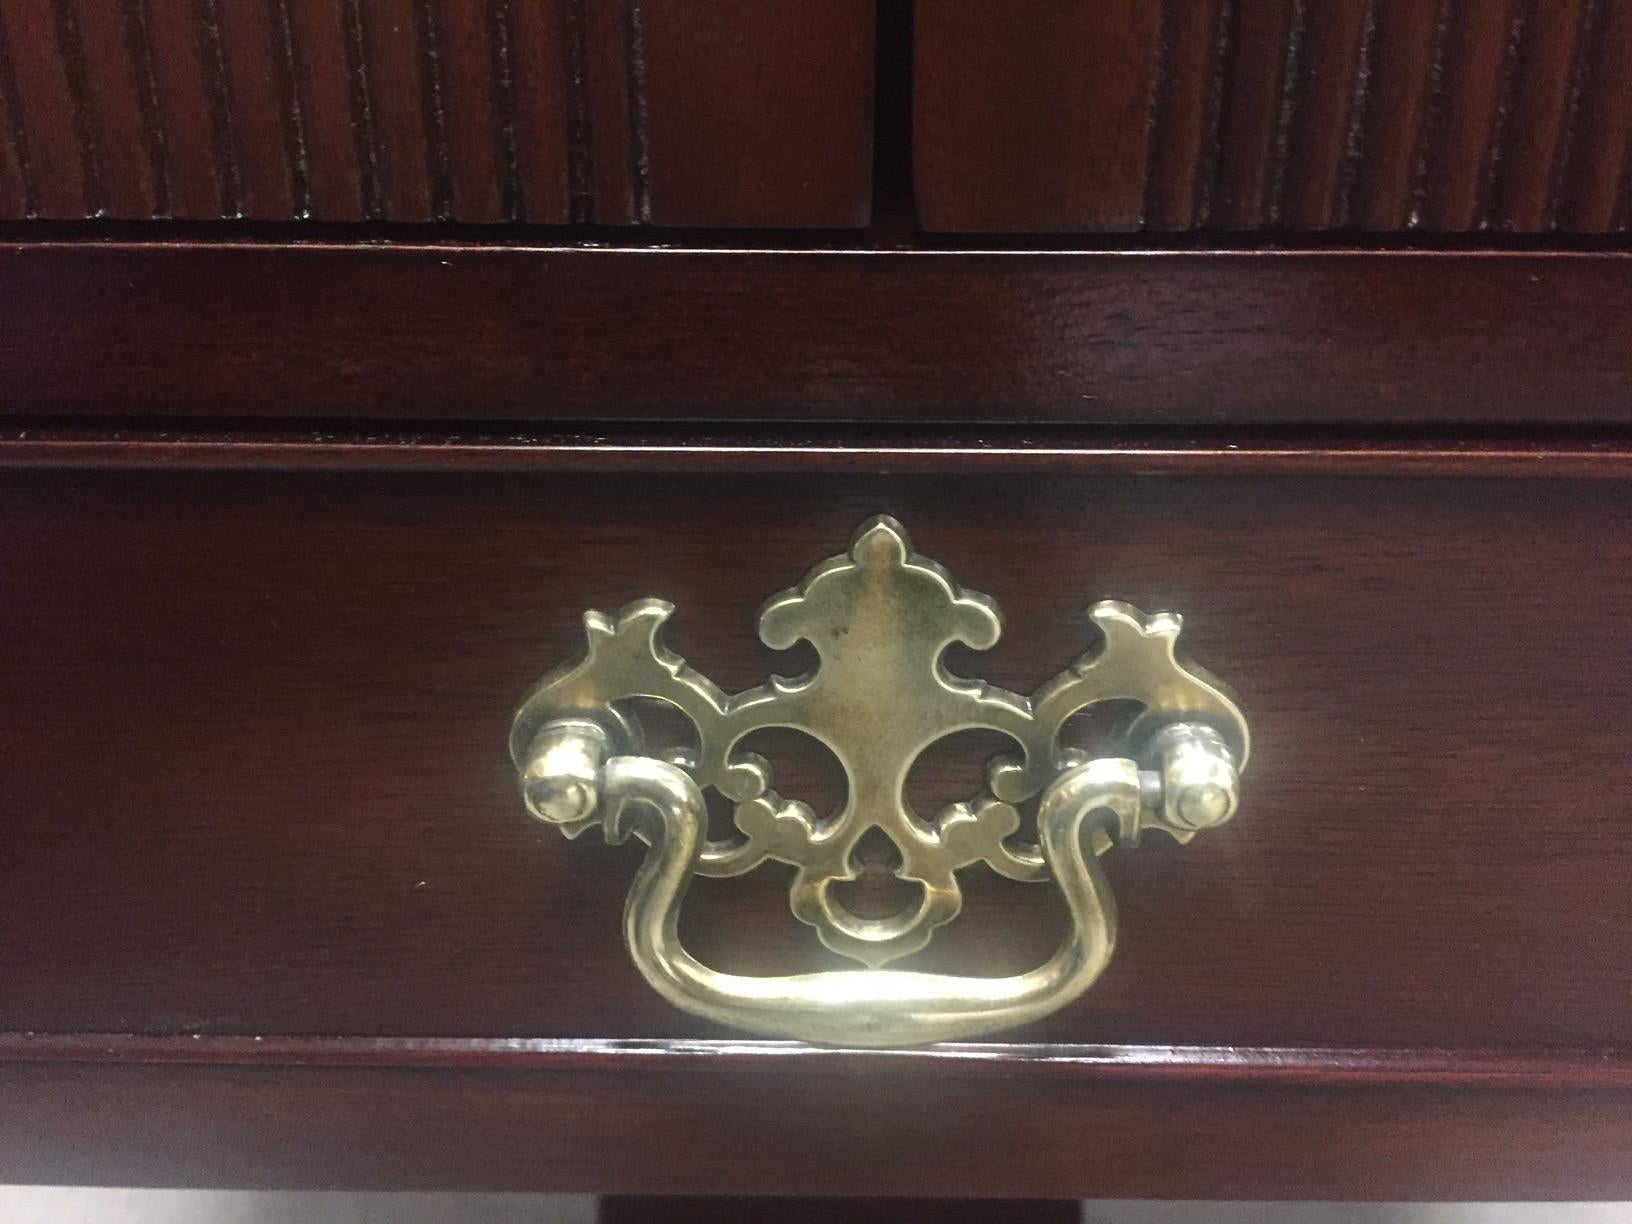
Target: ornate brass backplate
[880,619]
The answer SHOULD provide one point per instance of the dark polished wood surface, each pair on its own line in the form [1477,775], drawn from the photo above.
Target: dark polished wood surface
[480,333]
[670,112]
[733,452]
[704,1129]
[1429,116]
[266,790]
[1536,1067]
[661,1210]
[295,508]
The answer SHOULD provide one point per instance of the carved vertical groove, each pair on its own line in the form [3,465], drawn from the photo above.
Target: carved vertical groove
[1213,115]
[13,140]
[580,169]
[1151,210]
[1424,115]
[1501,129]
[1600,160]
[640,154]
[140,47]
[362,109]
[502,35]
[294,118]
[1182,107]
[1592,13]
[221,127]
[1275,195]
[438,159]
[1359,107]
[1435,122]
[71,49]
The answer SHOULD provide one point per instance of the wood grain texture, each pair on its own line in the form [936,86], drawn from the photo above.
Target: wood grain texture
[1438,116]
[1598,195]
[262,108]
[545,121]
[401,85]
[16,190]
[200,154]
[334,112]
[1264,39]
[475,333]
[762,112]
[610,186]
[1539,118]
[120,106]
[1186,114]
[706,113]
[1397,100]
[473,62]
[47,113]
[1481,47]
[1325,87]
[323,837]
[1048,104]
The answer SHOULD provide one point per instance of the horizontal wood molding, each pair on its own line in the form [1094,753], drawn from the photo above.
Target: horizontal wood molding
[708,1124]
[839,453]
[671,112]
[462,332]
[1154,1064]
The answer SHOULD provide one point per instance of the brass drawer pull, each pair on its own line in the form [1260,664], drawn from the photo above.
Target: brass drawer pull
[880,617]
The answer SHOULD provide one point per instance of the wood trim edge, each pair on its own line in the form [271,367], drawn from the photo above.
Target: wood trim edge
[82,449]
[1155,1064]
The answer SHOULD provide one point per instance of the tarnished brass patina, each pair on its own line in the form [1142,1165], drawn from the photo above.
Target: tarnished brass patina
[880,619]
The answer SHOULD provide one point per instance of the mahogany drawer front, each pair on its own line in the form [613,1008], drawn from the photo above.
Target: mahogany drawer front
[257,781]
[273,915]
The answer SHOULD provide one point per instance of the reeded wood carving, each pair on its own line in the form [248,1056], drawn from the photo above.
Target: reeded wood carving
[1370,115]
[676,112]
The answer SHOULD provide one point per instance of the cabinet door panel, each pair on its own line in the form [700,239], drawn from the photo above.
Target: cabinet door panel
[664,112]
[1435,116]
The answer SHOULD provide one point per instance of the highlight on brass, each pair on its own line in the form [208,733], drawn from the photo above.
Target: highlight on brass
[880,619]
